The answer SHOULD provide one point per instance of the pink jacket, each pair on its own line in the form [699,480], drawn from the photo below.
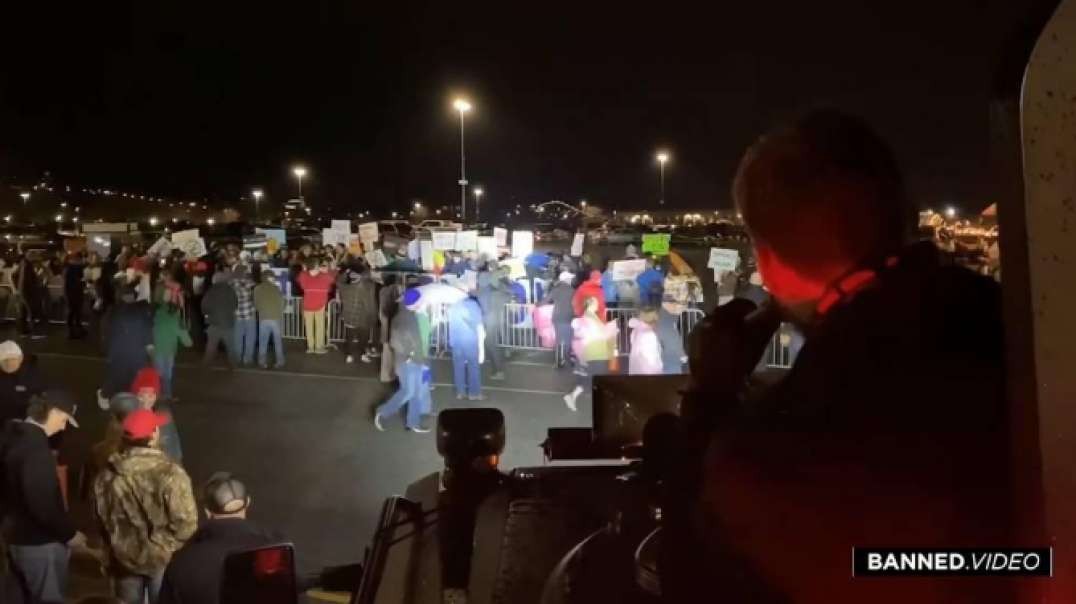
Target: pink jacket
[645,356]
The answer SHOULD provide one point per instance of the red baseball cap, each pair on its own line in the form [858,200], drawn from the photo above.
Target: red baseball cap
[141,423]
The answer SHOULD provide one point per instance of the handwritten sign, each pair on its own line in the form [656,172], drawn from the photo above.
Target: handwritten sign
[180,236]
[522,243]
[192,248]
[722,259]
[656,244]
[628,270]
[368,231]
[343,226]
[333,237]
[577,244]
[500,236]
[487,247]
[467,241]
[444,240]
[160,248]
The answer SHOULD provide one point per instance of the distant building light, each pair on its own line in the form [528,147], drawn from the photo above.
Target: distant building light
[210,221]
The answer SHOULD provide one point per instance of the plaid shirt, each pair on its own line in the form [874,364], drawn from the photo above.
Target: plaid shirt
[245,309]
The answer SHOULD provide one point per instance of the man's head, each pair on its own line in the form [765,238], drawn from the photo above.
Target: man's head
[10,356]
[123,404]
[142,428]
[820,198]
[53,409]
[147,386]
[224,496]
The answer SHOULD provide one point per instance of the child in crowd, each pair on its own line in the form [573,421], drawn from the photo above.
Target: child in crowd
[147,387]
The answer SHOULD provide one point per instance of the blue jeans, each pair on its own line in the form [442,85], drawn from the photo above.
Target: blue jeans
[245,331]
[413,393]
[270,329]
[133,589]
[466,372]
[165,365]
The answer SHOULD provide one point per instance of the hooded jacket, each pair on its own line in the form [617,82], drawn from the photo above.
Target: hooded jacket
[145,505]
[30,497]
[591,288]
[645,356]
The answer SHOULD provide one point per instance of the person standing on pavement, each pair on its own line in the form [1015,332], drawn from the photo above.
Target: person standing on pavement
[20,379]
[465,337]
[560,296]
[594,342]
[493,296]
[219,305]
[645,356]
[269,302]
[246,323]
[37,529]
[74,292]
[358,311]
[316,281]
[671,340]
[168,334]
[32,293]
[388,304]
[145,505]
[651,284]
[129,342]
[410,341]
[194,574]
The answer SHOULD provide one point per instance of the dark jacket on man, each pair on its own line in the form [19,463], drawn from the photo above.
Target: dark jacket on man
[269,301]
[560,296]
[194,574]
[219,304]
[130,331]
[891,428]
[358,304]
[17,388]
[30,496]
[406,338]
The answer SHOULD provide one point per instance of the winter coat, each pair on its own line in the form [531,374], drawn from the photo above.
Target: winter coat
[145,506]
[193,576]
[33,506]
[493,296]
[168,332]
[17,388]
[591,288]
[269,302]
[645,356]
[407,340]
[388,304]
[130,331]
[219,304]
[560,296]
[651,286]
[358,303]
[464,319]
[671,342]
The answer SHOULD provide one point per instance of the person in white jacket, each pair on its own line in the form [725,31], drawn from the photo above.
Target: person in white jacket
[645,355]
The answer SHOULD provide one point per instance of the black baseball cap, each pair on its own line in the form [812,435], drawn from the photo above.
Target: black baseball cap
[225,494]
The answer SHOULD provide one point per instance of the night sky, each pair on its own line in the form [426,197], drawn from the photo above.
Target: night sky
[209,99]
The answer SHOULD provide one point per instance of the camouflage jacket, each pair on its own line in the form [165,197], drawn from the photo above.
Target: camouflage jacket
[145,507]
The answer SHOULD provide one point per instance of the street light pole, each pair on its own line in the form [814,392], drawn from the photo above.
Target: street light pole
[300,172]
[662,158]
[257,198]
[477,206]
[463,107]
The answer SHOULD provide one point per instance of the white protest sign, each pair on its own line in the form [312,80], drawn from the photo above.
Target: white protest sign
[723,259]
[333,237]
[376,258]
[193,248]
[368,231]
[577,244]
[522,243]
[500,236]
[413,251]
[628,270]
[180,236]
[467,241]
[342,226]
[425,249]
[444,240]
[487,246]
[161,247]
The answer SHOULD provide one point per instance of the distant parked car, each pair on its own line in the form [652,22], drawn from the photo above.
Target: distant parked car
[623,236]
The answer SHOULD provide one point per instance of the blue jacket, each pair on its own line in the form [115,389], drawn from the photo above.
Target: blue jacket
[609,287]
[464,319]
[651,287]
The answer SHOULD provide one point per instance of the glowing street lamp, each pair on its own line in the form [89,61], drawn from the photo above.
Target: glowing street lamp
[153,221]
[950,212]
[662,158]
[257,193]
[59,217]
[210,221]
[462,106]
[25,197]
[477,202]
[299,173]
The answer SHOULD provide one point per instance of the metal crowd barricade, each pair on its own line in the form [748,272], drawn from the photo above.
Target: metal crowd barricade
[518,331]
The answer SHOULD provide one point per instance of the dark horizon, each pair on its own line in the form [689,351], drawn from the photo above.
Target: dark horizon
[210,101]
